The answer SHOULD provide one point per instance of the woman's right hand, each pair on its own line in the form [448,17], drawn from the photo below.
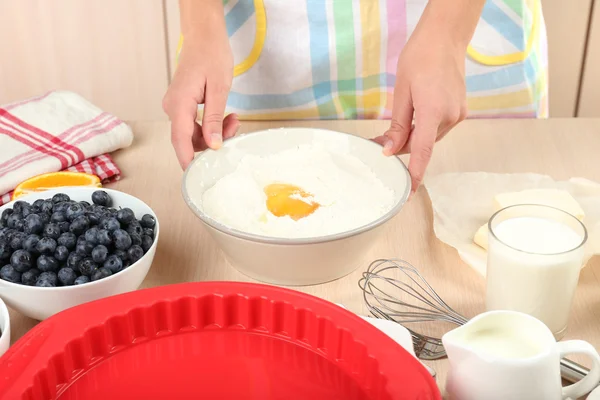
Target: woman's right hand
[203,76]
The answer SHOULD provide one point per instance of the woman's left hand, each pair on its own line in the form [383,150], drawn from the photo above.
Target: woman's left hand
[430,84]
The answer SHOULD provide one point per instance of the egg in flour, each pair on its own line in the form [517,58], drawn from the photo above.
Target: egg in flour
[301,192]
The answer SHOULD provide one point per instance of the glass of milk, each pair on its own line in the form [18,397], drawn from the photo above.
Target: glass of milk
[534,257]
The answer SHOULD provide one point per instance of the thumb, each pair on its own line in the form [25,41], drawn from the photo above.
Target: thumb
[215,101]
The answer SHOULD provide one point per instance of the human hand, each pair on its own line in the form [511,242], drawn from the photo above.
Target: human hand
[430,84]
[203,76]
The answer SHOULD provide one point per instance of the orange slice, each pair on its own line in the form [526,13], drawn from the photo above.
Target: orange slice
[53,180]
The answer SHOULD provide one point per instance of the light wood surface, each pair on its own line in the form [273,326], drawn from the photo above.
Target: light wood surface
[110,51]
[589,101]
[561,148]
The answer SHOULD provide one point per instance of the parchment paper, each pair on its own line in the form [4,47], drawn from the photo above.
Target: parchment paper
[462,202]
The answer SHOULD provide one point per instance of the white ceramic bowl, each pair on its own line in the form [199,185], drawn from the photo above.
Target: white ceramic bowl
[4,328]
[293,262]
[41,302]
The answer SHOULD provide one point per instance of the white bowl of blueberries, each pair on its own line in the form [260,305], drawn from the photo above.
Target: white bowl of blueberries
[67,246]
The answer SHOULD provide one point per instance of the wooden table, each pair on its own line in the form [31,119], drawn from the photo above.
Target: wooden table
[561,148]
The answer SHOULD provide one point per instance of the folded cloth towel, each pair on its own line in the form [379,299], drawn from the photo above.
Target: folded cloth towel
[57,131]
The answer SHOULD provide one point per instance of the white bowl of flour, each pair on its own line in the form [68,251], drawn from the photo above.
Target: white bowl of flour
[296,206]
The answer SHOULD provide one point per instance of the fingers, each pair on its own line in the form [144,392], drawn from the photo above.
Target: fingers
[231,125]
[402,114]
[215,101]
[183,125]
[421,147]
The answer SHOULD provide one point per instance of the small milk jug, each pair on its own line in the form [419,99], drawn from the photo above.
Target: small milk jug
[508,355]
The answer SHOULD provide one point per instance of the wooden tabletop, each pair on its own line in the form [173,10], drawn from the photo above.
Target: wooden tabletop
[561,148]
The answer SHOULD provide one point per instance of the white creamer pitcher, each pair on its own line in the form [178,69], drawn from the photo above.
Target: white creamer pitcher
[508,355]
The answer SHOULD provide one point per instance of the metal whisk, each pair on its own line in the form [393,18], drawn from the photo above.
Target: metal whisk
[385,285]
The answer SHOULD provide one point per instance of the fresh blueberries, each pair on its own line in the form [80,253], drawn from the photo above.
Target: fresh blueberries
[47,263]
[136,240]
[67,239]
[134,253]
[46,245]
[38,204]
[58,216]
[16,241]
[91,235]
[113,263]
[94,217]
[149,232]
[5,214]
[101,273]
[61,254]
[13,219]
[60,197]
[47,279]
[148,221]
[30,277]
[5,250]
[79,225]
[99,254]
[52,230]
[122,239]
[87,266]
[66,276]
[74,210]
[27,209]
[33,224]
[105,237]
[30,243]
[73,261]
[135,227]
[45,217]
[21,260]
[81,280]
[47,206]
[64,226]
[101,198]
[10,274]
[146,243]
[110,223]
[84,248]
[125,215]
[122,254]
[18,206]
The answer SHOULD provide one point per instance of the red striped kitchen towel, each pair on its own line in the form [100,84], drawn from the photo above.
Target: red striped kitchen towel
[57,131]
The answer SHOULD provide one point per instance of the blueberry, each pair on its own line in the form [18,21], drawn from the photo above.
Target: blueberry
[30,243]
[60,197]
[5,214]
[27,209]
[146,243]
[135,227]
[148,232]
[101,273]
[13,218]
[38,204]
[113,263]
[58,216]
[46,245]
[47,279]
[47,206]
[125,215]
[84,248]
[87,266]
[3,232]
[47,263]
[52,230]
[148,221]
[10,274]
[122,239]
[110,223]
[74,260]
[74,210]
[105,237]
[29,277]
[67,276]
[101,198]
[85,204]
[64,226]
[33,224]
[67,239]
[18,206]
[62,207]
[61,254]
[134,253]
[122,254]
[21,260]
[20,225]
[80,225]
[99,254]
[81,280]
[16,241]
[5,250]
[45,217]
[135,239]
[91,235]
[94,217]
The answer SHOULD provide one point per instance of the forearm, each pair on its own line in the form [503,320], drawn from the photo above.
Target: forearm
[201,17]
[455,20]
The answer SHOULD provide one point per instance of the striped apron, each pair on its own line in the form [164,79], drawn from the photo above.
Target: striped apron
[336,59]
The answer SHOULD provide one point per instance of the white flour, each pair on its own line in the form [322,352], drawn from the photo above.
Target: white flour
[350,194]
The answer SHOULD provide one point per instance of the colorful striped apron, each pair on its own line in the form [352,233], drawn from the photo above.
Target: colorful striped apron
[336,59]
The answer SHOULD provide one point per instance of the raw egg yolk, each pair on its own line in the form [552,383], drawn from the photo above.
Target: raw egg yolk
[289,200]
